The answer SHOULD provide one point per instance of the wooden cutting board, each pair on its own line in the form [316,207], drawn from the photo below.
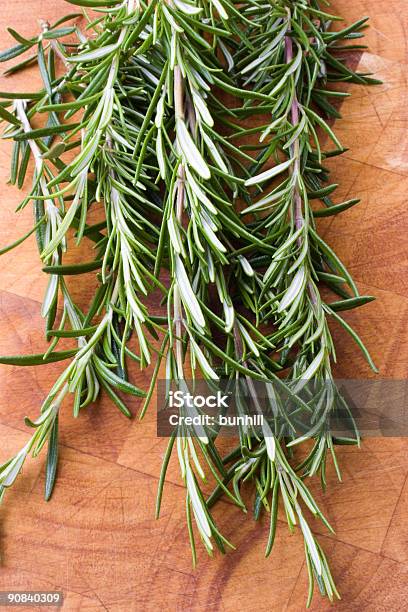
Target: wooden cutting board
[97,539]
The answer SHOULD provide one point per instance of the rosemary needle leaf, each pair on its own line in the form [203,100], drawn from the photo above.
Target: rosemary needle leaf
[13,52]
[268,174]
[335,209]
[66,269]
[93,3]
[351,303]
[37,359]
[52,461]
[9,117]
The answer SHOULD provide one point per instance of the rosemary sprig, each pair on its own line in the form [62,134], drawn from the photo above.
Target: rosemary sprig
[231,246]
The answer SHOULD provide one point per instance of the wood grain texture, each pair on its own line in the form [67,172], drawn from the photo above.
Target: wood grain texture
[97,539]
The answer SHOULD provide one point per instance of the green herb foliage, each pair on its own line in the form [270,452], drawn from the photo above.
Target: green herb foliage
[152,100]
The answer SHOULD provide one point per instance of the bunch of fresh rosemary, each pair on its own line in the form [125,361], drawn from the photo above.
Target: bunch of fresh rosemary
[144,115]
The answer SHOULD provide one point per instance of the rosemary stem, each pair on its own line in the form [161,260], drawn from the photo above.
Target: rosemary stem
[179,112]
[178,93]
[50,208]
[45,26]
[239,350]
[20,106]
[294,119]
